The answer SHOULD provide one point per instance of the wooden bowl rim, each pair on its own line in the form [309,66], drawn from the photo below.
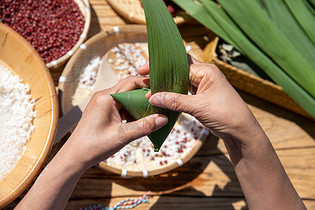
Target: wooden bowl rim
[62,60]
[23,185]
[100,36]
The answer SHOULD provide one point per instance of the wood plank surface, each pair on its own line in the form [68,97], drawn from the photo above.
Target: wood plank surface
[208,180]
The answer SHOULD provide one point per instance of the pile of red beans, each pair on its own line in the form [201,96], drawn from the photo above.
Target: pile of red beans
[53,27]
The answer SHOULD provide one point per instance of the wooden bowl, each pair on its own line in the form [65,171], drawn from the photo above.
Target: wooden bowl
[84,7]
[99,45]
[133,11]
[250,83]
[23,59]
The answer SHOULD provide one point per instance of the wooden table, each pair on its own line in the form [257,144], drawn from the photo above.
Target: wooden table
[208,180]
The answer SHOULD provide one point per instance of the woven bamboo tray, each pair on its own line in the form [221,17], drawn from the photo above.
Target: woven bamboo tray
[251,84]
[23,59]
[133,11]
[84,7]
[99,45]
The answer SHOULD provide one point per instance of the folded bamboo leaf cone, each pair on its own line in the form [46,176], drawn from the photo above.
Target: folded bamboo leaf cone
[169,69]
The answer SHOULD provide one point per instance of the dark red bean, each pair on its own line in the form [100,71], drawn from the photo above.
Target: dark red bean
[52,27]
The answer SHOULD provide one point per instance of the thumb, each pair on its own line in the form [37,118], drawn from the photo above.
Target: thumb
[145,126]
[173,101]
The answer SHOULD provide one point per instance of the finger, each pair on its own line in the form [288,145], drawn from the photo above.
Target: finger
[130,83]
[174,101]
[198,72]
[145,126]
[192,60]
[193,89]
[145,69]
[148,95]
[194,75]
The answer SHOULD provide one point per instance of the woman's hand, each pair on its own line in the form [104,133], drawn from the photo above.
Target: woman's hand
[215,104]
[101,133]
[219,107]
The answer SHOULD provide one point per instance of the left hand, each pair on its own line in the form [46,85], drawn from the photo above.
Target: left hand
[101,133]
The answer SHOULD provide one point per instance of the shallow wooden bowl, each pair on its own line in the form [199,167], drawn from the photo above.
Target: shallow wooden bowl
[99,45]
[84,7]
[23,59]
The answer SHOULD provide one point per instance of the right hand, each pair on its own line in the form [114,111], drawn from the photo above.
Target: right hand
[219,107]
[215,104]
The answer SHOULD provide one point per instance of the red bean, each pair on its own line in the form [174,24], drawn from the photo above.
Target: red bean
[52,27]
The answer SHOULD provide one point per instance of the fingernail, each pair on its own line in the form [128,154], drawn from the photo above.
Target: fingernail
[160,121]
[141,67]
[157,100]
[148,95]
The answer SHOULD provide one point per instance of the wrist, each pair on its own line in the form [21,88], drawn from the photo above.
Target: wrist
[73,157]
[246,143]
[245,128]
[87,154]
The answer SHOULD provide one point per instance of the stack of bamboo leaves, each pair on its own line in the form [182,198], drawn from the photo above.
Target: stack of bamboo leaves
[277,35]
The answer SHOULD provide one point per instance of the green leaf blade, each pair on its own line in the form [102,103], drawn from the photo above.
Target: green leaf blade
[256,24]
[304,15]
[288,25]
[226,29]
[169,68]
[167,52]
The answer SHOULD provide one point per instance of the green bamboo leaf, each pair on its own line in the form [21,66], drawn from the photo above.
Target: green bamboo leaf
[310,6]
[285,21]
[261,3]
[304,15]
[256,24]
[214,17]
[138,103]
[312,2]
[197,11]
[169,69]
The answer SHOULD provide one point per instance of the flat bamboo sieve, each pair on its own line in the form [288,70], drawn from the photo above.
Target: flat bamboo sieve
[99,45]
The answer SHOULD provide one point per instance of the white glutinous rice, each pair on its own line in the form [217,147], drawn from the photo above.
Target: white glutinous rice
[16,119]
[89,74]
[129,58]
[178,144]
